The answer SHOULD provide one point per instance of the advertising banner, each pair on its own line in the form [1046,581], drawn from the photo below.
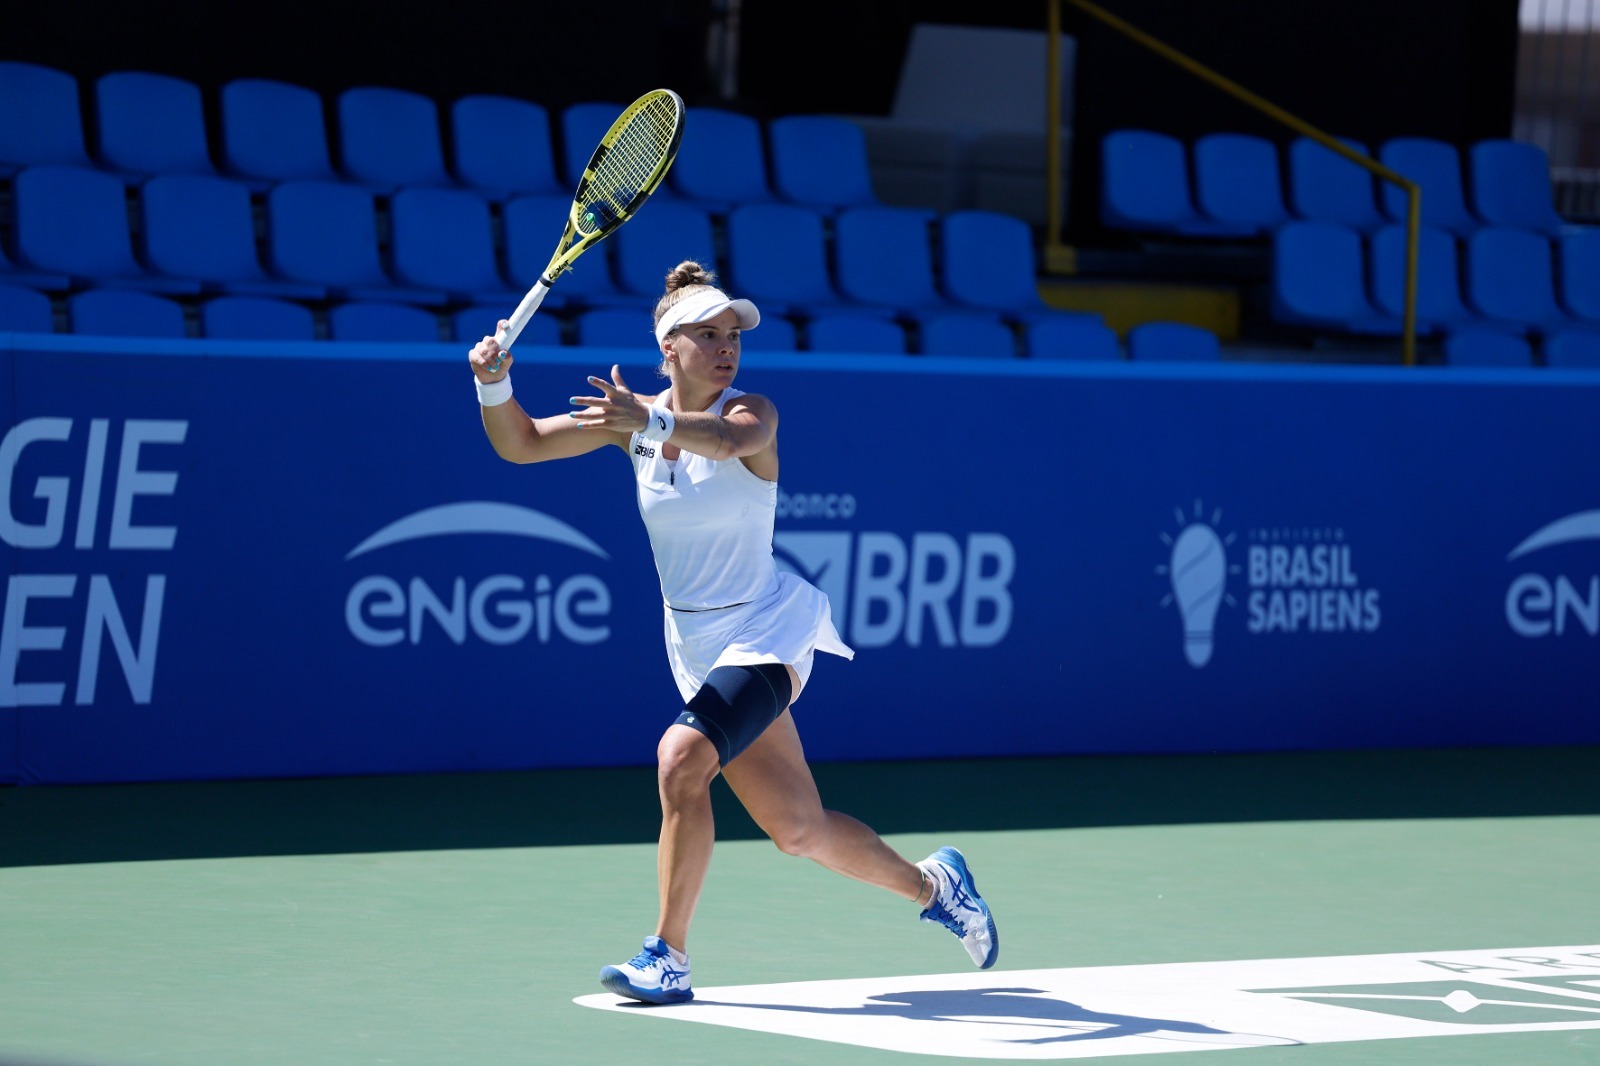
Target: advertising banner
[242,560]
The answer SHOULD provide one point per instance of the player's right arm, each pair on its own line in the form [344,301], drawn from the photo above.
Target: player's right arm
[519,438]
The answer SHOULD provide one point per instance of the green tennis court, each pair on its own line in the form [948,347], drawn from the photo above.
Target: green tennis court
[456,919]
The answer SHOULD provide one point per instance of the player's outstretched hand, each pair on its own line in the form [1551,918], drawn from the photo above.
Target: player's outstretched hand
[617,408]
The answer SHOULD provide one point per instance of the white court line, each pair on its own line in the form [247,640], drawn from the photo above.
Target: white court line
[1142,1010]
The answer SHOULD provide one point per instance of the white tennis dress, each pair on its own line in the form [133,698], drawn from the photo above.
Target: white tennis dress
[726,603]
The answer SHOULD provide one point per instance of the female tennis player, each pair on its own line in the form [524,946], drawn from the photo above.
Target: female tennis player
[741,636]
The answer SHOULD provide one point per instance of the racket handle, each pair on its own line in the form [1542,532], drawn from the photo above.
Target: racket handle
[523,314]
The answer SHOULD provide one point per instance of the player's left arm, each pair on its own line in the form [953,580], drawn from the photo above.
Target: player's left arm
[746,429]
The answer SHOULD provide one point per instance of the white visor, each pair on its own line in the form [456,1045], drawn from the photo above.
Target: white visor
[707,303]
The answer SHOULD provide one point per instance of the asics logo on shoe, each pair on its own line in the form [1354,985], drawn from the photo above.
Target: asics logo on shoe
[959,897]
[669,976]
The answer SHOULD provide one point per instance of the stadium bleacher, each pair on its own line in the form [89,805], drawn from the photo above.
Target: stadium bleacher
[379,198]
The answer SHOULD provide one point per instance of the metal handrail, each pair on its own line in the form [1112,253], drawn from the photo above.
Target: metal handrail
[1053,153]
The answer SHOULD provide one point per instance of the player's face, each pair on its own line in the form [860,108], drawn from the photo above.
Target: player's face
[709,351]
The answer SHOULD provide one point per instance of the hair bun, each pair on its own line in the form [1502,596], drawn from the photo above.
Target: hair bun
[689,273]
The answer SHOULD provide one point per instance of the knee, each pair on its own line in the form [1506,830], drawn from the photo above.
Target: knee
[686,763]
[796,836]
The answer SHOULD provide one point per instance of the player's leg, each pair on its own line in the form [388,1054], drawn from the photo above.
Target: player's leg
[686,764]
[775,784]
[773,781]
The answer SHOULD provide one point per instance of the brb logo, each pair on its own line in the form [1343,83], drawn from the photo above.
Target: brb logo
[1300,579]
[928,588]
[1541,605]
[55,468]
[382,610]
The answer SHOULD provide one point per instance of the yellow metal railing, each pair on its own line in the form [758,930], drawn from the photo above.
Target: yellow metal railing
[1056,249]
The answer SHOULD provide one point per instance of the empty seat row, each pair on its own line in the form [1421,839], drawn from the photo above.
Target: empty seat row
[132,313]
[1233,185]
[1575,349]
[72,227]
[1502,278]
[144,124]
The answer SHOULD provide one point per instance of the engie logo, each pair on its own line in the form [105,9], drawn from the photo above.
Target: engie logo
[934,588]
[1540,605]
[62,466]
[1300,579]
[381,610]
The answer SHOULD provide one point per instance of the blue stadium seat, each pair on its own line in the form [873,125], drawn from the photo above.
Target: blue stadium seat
[1071,337]
[855,333]
[1436,167]
[1237,181]
[1319,280]
[256,318]
[655,241]
[615,327]
[43,117]
[501,146]
[73,220]
[532,225]
[202,227]
[884,258]
[273,131]
[778,257]
[968,335]
[1486,347]
[820,161]
[471,324]
[987,260]
[25,311]
[1145,187]
[1173,342]
[326,233]
[1511,186]
[125,313]
[775,334]
[1326,187]
[1579,279]
[371,321]
[12,274]
[722,161]
[1511,277]
[389,138]
[1439,302]
[444,239]
[1575,349]
[150,124]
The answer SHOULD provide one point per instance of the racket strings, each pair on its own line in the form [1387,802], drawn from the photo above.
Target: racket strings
[636,160]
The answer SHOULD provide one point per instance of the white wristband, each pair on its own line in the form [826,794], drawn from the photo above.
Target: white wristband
[493,393]
[658,424]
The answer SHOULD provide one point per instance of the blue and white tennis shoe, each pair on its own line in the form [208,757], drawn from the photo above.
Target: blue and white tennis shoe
[957,906]
[652,976]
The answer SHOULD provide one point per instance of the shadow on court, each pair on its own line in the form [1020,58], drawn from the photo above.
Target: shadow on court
[105,823]
[1022,1007]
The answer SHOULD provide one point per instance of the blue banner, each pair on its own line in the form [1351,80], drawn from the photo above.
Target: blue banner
[241,560]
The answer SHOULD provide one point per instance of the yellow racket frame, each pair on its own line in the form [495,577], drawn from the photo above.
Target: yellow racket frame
[627,166]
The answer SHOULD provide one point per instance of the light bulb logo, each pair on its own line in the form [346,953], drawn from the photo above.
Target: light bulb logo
[1197,567]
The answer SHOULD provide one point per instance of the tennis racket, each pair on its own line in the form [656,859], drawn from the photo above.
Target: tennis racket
[625,169]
